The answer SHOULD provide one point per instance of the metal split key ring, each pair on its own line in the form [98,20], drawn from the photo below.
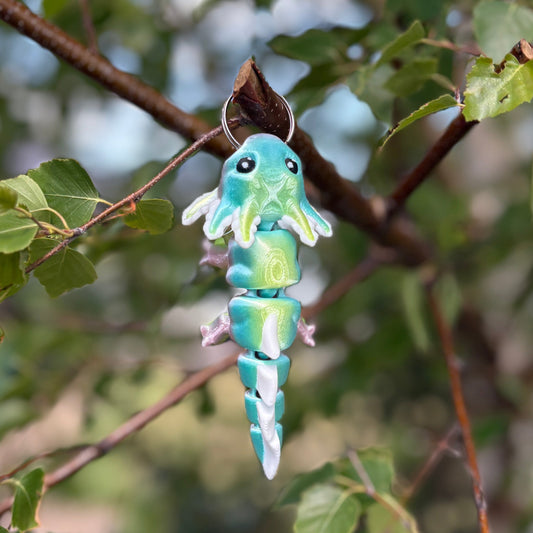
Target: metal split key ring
[235,142]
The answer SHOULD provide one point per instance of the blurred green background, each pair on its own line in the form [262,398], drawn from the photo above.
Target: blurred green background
[74,368]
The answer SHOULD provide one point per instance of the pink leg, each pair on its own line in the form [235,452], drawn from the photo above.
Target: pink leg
[306,332]
[214,255]
[217,331]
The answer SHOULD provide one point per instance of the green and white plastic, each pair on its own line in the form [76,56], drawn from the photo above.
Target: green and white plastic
[261,199]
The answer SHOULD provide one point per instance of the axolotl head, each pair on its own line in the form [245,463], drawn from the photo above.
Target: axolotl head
[261,186]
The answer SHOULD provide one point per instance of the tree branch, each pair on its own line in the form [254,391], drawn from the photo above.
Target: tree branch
[457,129]
[262,106]
[446,339]
[128,87]
[90,453]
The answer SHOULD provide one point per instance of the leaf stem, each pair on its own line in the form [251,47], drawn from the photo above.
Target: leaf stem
[57,214]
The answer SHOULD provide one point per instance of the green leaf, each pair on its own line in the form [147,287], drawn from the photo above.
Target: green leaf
[489,93]
[311,90]
[28,495]
[294,490]
[3,530]
[12,274]
[327,509]
[8,198]
[411,36]
[392,518]
[367,83]
[498,26]
[155,216]
[30,196]
[64,271]
[11,270]
[412,76]
[317,47]
[68,189]
[377,464]
[16,232]
[442,102]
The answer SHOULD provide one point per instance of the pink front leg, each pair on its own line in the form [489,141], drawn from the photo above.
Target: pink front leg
[306,332]
[216,256]
[216,332]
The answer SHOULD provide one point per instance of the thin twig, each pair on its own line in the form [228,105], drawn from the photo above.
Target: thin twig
[458,128]
[89,26]
[362,271]
[131,198]
[442,446]
[447,343]
[40,457]
[90,453]
[361,472]
[470,49]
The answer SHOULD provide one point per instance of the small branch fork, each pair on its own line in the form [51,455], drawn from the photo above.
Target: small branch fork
[443,446]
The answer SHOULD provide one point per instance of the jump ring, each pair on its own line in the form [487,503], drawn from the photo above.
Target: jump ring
[235,142]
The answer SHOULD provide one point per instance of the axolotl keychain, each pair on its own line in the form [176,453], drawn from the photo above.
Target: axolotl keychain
[261,198]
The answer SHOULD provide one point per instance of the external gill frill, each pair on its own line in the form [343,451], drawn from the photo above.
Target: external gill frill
[268,189]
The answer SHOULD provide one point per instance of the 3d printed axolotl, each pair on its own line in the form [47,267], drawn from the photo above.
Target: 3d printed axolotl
[261,198]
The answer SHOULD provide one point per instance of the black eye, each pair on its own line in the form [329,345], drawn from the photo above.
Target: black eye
[292,165]
[245,165]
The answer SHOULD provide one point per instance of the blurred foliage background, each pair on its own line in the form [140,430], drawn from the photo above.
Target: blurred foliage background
[75,367]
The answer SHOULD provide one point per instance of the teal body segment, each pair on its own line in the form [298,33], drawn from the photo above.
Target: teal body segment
[266,325]
[270,263]
[261,448]
[252,404]
[261,199]
[249,366]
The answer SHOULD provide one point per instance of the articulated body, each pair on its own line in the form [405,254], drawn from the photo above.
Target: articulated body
[261,197]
